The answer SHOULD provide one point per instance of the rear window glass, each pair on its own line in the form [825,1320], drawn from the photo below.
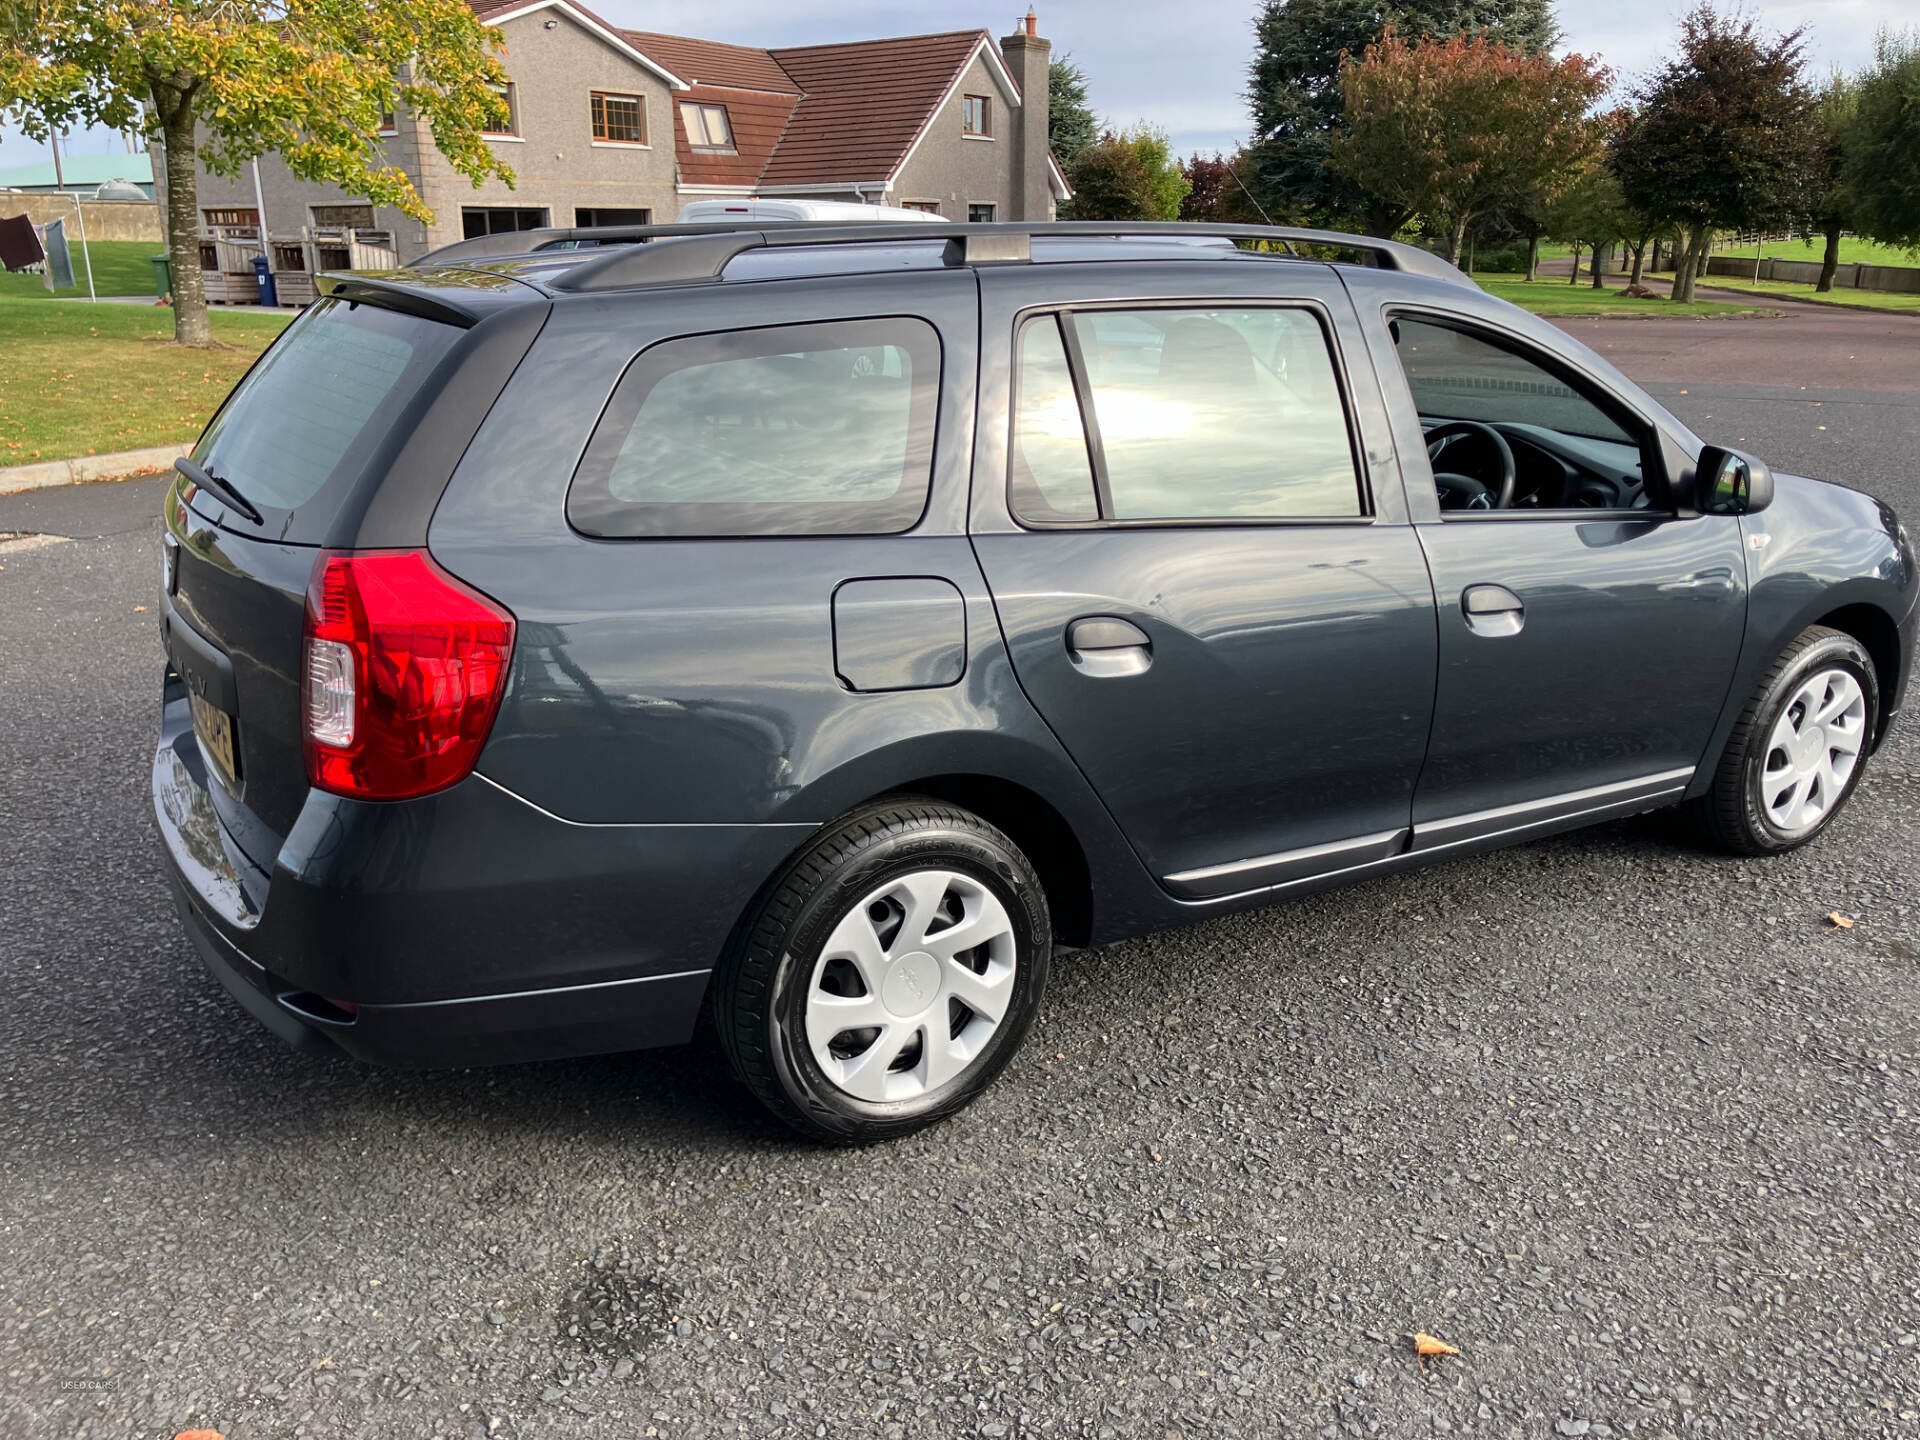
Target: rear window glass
[788,430]
[304,421]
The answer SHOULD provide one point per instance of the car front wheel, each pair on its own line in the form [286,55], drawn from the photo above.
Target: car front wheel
[1798,749]
[888,975]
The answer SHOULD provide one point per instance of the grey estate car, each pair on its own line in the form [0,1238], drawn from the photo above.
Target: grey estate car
[813,626]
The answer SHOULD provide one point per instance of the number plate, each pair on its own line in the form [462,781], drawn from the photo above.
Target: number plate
[215,729]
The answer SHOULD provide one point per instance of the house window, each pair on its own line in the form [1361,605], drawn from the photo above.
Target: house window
[248,216]
[358,217]
[707,127]
[512,101]
[389,123]
[931,207]
[619,119]
[601,215]
[478,220]
[980,214]
[976,118]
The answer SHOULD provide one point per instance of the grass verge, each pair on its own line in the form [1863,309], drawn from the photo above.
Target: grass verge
[120,267]
[1557,297]
[83,379]
[1848,298]
[1853,251]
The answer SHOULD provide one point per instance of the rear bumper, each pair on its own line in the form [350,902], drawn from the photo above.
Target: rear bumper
[466,928]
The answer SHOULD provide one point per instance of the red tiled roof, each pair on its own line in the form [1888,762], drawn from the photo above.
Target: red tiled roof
[808,115]
[863,104]
[708,62]
[757,119]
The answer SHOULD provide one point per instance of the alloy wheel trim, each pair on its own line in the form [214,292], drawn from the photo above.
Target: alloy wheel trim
[1813,751]
[911,986]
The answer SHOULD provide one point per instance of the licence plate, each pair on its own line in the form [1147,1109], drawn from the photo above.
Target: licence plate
[215,729]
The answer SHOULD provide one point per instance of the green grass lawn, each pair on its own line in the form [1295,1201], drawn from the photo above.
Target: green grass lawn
[82,379]
[1853,251]
[1839,295]
[1557,297]
[120,267]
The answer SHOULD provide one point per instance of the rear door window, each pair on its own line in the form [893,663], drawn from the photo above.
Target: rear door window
[301,426]
[1169,414]
[787,430]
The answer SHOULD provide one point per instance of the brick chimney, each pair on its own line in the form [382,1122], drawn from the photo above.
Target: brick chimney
[1027,56]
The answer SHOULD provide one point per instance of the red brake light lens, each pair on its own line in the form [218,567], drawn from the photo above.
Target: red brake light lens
[404,667]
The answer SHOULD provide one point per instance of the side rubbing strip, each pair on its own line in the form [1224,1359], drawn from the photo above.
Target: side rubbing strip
[1623,795]
[1239,876]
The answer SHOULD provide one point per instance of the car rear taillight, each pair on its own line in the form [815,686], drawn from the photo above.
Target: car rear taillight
[402,672]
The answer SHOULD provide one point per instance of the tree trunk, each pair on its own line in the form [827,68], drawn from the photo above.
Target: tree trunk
[173,103]
[1702,251]
[1639,256]
[1533,256]
[1691,261]
[1830,261]
[1601,254]
[1573,278]
[1456,241]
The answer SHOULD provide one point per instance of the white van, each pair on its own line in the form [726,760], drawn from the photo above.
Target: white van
[832,212]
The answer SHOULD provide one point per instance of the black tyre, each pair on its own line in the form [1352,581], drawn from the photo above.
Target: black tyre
[1798,749]
[888,974]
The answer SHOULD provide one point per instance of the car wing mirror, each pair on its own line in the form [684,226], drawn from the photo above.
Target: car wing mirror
[1731,482]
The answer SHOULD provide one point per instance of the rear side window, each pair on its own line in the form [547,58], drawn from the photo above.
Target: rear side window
[301,426]
[789,430]
[1182,414]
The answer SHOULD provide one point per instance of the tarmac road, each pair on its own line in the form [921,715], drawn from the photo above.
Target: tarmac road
[1629,1124]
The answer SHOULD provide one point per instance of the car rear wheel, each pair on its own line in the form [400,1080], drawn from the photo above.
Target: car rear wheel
[888,975]
[1798,749]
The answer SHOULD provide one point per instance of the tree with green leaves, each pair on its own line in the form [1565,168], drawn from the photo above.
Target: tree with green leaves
[1451,129]
[1294,91]
[1724,135]
[1130,175]
[1590,211]
[223,81]
[1830,186]
[1881,170]
[1071,126]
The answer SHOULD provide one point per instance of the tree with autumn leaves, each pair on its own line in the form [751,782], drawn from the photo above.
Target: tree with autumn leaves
[1452,129]
[223,81]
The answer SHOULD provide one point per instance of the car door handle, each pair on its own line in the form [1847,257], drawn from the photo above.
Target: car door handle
[1492,610]
[1108,647]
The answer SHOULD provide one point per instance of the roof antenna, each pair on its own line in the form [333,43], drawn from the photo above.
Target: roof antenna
[1234,171]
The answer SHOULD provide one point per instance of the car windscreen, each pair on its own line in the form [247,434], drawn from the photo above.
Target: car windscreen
[299,429]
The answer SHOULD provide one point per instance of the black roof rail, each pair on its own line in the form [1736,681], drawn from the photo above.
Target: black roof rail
[556,237]
[690,254]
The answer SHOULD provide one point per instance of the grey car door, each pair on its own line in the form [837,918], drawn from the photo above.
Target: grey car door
[1187,512]
[1588,631]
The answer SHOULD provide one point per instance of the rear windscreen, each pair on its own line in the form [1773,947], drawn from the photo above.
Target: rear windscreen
[299,429]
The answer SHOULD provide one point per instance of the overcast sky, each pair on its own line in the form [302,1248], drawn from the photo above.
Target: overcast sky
[1177,63]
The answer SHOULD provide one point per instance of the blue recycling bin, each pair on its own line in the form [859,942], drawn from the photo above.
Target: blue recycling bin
[263,281]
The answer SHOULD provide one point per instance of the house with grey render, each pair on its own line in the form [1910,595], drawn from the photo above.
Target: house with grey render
[612,126]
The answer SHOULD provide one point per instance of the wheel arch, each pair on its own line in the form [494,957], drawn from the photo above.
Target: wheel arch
[1043,834]
[1879,636]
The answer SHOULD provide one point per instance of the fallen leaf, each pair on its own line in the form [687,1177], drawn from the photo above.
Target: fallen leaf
[139,609]
[1839,921]
[1426,1347]
[199,1435]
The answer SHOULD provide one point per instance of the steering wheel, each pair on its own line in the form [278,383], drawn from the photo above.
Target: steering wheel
[1473,494]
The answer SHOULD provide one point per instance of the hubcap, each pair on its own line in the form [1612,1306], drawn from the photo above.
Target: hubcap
[911,985]
[1813,751]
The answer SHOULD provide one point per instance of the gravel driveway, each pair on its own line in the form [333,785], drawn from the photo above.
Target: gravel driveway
[1630,1125]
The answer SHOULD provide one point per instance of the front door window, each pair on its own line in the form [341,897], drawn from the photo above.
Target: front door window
[1507,432]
